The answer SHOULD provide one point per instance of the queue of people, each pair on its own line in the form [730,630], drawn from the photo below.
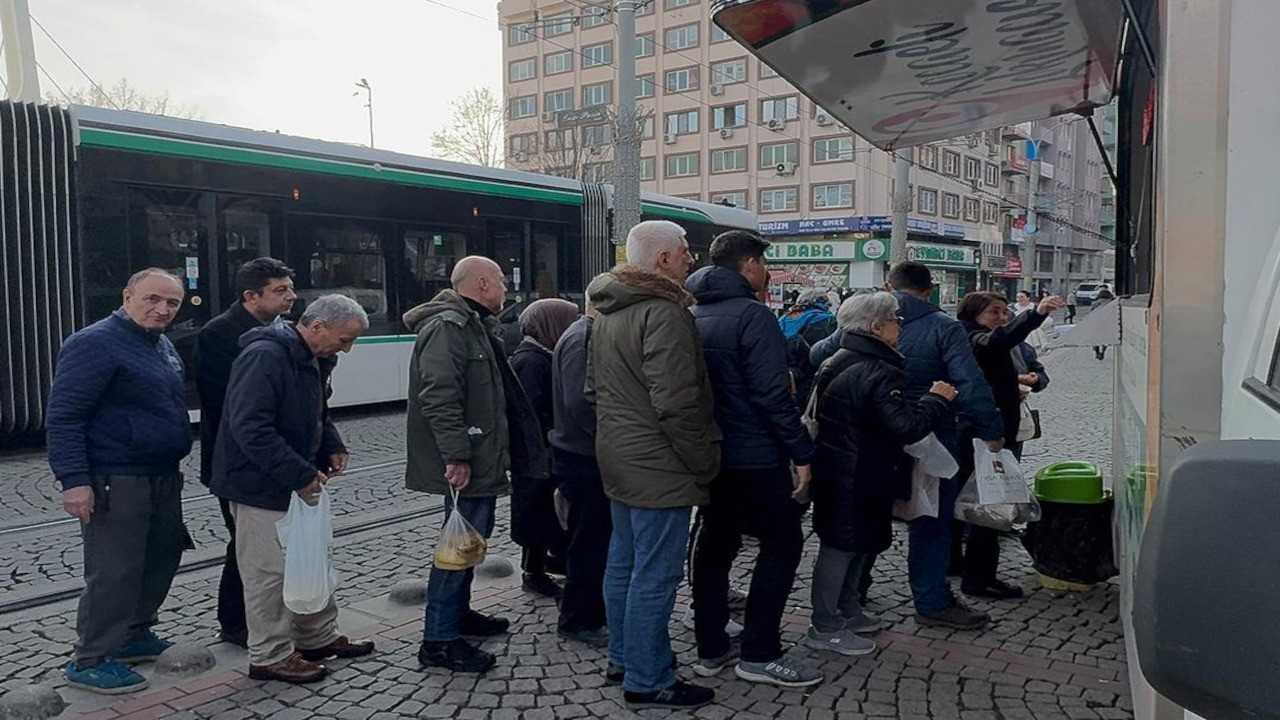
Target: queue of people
[674,394]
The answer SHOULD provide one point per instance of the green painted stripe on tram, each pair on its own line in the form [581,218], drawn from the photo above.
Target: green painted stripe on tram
[114,139]
[384,339]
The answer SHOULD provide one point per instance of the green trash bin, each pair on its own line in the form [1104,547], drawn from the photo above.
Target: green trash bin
[1071,544]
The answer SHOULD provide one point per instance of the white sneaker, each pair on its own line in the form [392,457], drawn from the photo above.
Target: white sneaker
[842,641]
[733,628]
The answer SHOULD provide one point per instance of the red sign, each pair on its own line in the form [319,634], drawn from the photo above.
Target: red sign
[1020,223]
[1012,264]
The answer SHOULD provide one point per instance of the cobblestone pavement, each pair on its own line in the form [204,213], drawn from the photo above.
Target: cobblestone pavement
[1049,656]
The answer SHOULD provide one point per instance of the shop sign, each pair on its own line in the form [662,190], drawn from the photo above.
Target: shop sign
[856,250]
[857,224]
[943,255]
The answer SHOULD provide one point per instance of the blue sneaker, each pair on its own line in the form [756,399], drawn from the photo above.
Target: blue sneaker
[109,678]
[145,649]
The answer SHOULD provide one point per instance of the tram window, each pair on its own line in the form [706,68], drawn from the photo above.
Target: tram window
[429,257]
[245,225]
[508,252]
[546,269]
[338,255]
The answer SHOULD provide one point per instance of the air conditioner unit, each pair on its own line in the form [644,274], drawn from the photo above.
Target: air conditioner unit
[785,168]
[776,124]
[717,89]
[669,138]
[824,119]
[549,116]
[726,133]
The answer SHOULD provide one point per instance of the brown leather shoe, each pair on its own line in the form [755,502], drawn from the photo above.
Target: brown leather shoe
[340,648]
[293,669]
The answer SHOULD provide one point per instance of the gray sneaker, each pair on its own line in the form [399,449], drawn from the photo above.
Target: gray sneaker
[785,671]
[707,667]
[958,617]
[842,641]
[862,623]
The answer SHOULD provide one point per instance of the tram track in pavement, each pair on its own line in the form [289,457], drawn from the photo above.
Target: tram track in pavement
[353,527]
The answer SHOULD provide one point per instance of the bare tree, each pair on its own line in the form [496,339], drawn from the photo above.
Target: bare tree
[124,96]
[475,130]
[582,149]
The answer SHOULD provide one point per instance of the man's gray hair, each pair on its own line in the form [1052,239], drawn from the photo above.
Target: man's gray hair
[860,311]
[145,273]
[649,239]
[334,311]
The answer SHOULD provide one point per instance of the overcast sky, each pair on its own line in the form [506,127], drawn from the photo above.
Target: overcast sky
[289,65]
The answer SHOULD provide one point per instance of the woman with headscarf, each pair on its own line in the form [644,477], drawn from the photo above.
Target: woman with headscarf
[534,525]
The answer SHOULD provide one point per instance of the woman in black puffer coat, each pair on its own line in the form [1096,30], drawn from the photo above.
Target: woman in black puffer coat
[864,420]
[534,525]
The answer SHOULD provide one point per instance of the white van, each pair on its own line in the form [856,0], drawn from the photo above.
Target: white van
[1087,292]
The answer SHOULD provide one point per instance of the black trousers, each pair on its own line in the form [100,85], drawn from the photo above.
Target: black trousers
[980,558]
[230,587]
[756,503]
[132,546]
[590,526]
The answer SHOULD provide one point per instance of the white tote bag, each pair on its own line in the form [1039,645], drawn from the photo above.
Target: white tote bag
[306,534]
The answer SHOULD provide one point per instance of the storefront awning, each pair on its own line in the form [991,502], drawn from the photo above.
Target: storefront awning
[907,72]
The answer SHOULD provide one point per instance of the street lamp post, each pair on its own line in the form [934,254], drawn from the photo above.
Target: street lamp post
[364,85]
[1032,228]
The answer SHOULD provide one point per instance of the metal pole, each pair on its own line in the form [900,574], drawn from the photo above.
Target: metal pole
[1032,228]
[901,205]
[626,151]
[370,106]
[20,51]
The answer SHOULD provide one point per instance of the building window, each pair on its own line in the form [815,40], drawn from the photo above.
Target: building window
[683,122]
[597,172]
[522,70]
[519,33]
[972,209]
[951,163]
[644,8]
[680,38]
[646,168]
[524,144]
[972,169]
[787,108]
[928,157]
[558,24]
[729,160]
[647,126]
[644,45]
[523,107]
[681,165]
[991,175]
[673,4]
[735,198]
[556,63]
[596,55]
[778,200]
[775,154]
[950,205]
[837,195]
[990,213]
[729,116]
[595,16]
[1044,261]
[558,100]
[644,86]
[596,135]
[557,140]
[767,72]
[832,149]
[681,80]
[729,72]
[718,35]
[597,94]
[928,201]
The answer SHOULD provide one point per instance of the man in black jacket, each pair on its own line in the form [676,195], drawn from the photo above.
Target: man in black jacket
[266,292]
[277,439]
[746,356]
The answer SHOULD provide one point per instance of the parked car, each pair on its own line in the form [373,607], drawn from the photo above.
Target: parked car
[1087,292]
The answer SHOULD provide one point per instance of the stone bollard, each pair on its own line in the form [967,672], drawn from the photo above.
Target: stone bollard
[409,592]
[495,566]
[185,660]
[34,702]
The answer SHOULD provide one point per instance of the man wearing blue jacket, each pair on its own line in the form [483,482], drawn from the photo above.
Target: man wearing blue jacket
[117,429]
[746,357]
[936,347]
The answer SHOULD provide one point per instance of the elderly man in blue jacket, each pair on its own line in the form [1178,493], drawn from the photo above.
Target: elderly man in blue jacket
[117,429]
[746,356]
[936,347]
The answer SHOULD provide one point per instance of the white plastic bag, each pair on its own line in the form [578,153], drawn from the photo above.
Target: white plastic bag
[996,496]
[934,457]
[306,534]
[460,546]
[924,494]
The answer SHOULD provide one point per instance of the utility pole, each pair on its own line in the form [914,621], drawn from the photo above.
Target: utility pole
[626,152]
[1031,228]
[901,205]
[20,51]
[364,85]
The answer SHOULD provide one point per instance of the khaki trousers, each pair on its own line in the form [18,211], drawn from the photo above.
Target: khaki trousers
[274,630]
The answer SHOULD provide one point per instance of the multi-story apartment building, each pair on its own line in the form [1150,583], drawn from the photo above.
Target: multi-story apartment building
[719,126]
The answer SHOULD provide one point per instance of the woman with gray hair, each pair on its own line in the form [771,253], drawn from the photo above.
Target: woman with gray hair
[864,421]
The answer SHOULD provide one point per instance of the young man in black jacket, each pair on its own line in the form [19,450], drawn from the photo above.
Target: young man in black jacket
[746,356]
[265,287]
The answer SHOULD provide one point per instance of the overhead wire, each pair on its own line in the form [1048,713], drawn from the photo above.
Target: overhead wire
[77,65]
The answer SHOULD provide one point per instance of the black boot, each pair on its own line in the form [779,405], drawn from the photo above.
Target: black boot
[457,655]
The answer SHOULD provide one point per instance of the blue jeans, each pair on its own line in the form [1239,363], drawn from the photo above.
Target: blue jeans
[646,563]
[929,552]
[449,591]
